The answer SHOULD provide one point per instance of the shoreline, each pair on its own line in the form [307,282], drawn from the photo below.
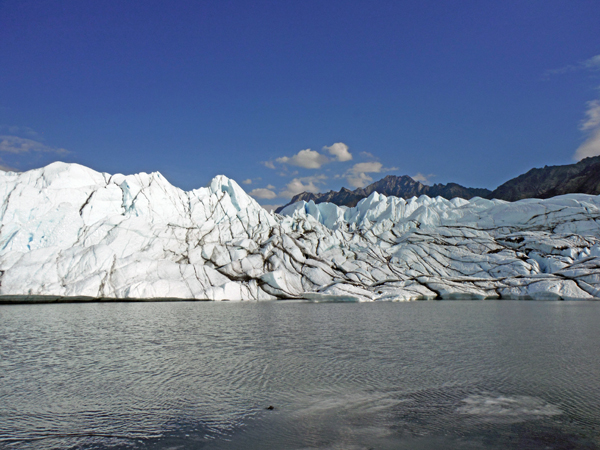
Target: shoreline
[50,299]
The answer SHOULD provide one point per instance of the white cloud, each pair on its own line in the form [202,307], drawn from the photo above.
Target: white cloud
[593,116]
[592,63]
[359,180]
[19,131]
[247,181]
[591,146]
[591,125]
[18,145]
[422,178]
[308,159]
[305,184]
[367,155]
[4,168]
[296,186]
[371,167]
[311,159]
[357,175]
[340,151]
[268,164]
[270,186]
[263,193]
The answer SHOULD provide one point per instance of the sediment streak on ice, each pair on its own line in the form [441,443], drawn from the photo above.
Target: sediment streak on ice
[67,230]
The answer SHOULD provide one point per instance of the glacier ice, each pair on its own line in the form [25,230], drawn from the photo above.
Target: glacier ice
[67,230]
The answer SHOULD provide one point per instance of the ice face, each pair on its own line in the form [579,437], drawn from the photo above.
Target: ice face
[67,230]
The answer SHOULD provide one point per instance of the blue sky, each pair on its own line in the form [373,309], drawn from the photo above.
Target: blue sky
[287,96]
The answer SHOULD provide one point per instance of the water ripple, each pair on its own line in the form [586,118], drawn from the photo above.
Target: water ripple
[451,375]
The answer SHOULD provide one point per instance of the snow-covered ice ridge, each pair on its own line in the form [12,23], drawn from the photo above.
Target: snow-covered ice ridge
[67,230]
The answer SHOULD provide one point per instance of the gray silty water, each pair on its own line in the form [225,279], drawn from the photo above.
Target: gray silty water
[447,375]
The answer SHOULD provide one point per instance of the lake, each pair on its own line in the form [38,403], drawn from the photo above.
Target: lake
[417,375]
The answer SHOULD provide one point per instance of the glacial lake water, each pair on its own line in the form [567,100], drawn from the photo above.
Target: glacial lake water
[420,375]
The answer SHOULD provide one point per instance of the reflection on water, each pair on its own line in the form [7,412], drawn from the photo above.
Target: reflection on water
[507,409]
[447,375]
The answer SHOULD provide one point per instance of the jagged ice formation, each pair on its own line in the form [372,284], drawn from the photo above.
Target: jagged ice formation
[67,230]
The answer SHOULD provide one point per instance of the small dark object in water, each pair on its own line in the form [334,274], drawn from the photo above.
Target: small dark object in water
[270,407]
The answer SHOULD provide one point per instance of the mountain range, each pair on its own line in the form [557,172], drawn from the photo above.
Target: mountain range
[549,181]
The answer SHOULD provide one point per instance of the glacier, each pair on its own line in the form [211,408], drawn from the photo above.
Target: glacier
[69,231]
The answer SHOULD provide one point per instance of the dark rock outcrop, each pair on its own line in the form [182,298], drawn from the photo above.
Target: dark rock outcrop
[580,178]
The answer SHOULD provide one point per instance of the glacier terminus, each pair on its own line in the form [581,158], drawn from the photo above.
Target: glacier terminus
[67,230]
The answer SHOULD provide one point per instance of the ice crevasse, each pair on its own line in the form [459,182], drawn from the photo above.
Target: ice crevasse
[67,230]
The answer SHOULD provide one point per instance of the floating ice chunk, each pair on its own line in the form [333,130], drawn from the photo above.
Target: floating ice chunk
[505,409]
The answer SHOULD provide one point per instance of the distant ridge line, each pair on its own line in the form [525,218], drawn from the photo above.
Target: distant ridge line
[582,177]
